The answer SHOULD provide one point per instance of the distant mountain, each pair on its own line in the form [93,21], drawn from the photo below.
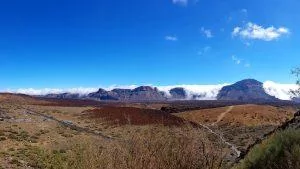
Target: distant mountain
[142,93]
[296,99]
[102,94]
[146,93]
[63,96]
[178,93]
[122,94]
[248,90]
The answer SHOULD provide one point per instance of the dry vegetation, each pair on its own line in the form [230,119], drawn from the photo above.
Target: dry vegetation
[161,148]
[132,116]
[281,150]
[243,125]
[136,135]
[247,115]
[156,140]
[153,147]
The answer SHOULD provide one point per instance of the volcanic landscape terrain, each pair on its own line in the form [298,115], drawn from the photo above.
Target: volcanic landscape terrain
[47,133]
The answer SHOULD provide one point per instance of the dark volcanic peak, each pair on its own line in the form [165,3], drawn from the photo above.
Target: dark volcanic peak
[146,93]
[102,94]
[248,90]
[144,88]
[63,96]
[101,91]
[178,93]
[296,99]
[248,83]
[143,93]
[121,90]
[122,94]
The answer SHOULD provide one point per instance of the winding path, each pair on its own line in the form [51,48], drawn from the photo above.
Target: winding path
[81,129]
[232,146]
[220,136]
[222,115]
[68,124]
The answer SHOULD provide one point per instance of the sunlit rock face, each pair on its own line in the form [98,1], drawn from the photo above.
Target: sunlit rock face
[248,90]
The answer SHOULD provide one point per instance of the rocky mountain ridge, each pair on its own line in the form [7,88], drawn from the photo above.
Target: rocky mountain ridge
[247,90]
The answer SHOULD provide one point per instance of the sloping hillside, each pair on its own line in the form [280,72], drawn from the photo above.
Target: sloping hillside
[248,115]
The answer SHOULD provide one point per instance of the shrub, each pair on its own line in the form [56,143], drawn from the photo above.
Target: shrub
[157,148]
[280,151]
[40,158]
[2,138]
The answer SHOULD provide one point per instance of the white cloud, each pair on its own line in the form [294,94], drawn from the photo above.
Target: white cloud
[79,90]
[204,50]
[202,92]
[180,2]
[280,91]
[123,87]
[207,32]
[239,61]
[31,91]
[254,31]
[236,30]
[171,38]
[236,60]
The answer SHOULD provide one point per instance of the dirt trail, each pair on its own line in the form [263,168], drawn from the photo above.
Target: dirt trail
[68,124]
[219,135]
[81,129]
[222,115]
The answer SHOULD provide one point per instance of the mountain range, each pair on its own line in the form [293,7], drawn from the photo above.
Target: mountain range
[247,90]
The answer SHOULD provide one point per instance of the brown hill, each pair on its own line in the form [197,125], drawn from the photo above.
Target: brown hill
[249,115]
[20,99]
[133,116]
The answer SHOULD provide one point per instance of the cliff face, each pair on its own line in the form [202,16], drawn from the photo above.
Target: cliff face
[248,90]
[143,93]
[63,96]
[102,94]
[178,93]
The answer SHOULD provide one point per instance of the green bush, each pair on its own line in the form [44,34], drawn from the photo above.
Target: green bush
[281,151]
[40,158]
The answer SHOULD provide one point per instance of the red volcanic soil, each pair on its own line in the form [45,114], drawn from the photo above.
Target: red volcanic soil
[20,98]
[26,99]
[133,116]
[75,103]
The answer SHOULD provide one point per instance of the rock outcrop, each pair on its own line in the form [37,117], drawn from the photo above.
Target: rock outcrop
[248,90]
[178,93]
[143,93]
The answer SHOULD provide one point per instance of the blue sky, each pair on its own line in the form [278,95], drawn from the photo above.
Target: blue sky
[72,43]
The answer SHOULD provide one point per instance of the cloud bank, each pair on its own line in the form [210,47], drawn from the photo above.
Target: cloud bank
[280,91]
[45,91]
[198,92]
[254,31]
